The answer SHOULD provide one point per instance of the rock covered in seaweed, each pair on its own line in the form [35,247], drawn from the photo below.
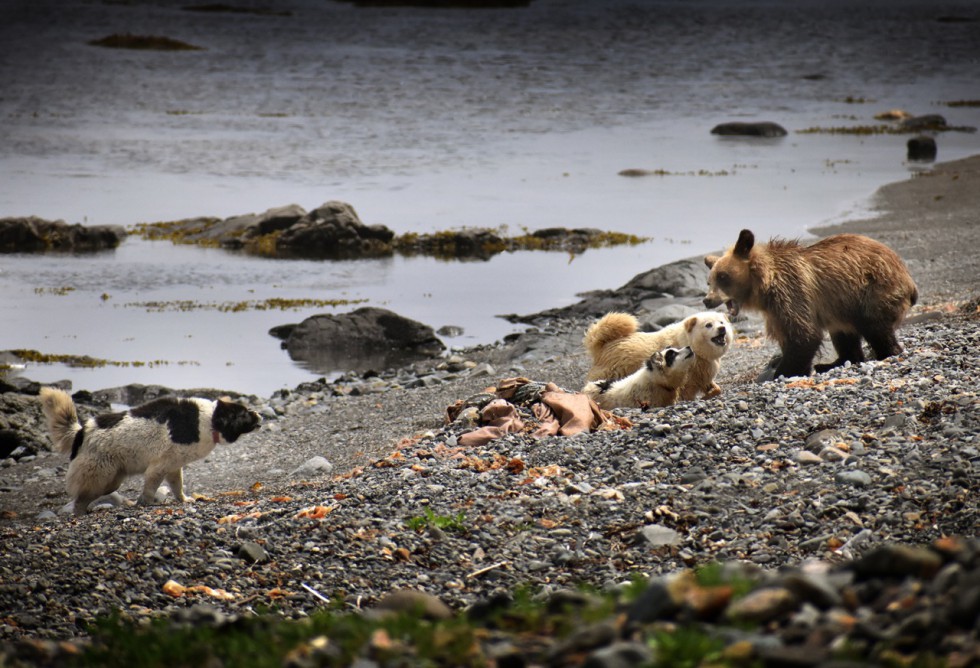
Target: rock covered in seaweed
[334,231]
[36,235]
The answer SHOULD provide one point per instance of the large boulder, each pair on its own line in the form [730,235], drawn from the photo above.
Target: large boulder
[334,230]
[23,430]
[682,283]
[368,338]
[36,235]
[753,129]
[683,278]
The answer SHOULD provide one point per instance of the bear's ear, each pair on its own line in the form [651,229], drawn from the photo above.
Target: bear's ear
[691,323]
[744,244]
[709,260]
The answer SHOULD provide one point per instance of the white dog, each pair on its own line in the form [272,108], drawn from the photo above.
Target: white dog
[618,348]
[656,383]
[156,439]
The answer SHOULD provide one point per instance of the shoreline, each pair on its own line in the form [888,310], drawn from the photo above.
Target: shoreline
[416,396]
[931,221]
[210,351]
[778,480]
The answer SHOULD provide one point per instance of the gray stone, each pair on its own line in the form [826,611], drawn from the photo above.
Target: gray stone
[333,230]
[276,220]
[684,278]
[312,467]
[853,477]
[368,338]
[36,235]
[657,535]
[252,552]
[893,424]
[671,313]
[749,129]
[921,149]
[924,122]
[807,457]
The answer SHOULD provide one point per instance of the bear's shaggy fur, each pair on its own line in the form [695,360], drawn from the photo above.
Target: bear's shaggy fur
[656,383]
[849,285]
[618,348]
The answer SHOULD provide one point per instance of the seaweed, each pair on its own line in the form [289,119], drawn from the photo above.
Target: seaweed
[664,172]
[59,291]
[271,304]
[85,361]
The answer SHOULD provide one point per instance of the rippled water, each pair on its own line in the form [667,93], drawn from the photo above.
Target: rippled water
[426,120]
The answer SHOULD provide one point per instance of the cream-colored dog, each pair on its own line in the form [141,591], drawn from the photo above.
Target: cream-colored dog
[618,348]
[657,383]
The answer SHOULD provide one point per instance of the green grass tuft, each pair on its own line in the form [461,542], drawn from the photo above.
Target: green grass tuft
[428,519]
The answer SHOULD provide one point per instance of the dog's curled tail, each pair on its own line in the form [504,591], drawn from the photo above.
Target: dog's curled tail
[62,418]
[610,327]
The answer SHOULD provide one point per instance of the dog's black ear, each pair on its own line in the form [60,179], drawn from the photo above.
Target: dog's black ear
[746,240]
[655,361]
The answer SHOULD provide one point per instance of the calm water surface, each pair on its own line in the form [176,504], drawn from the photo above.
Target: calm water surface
[425,120]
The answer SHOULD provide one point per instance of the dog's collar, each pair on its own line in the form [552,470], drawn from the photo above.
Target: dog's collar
[215,436]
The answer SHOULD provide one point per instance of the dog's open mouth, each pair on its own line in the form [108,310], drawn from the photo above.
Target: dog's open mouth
[721,338]
[733,307]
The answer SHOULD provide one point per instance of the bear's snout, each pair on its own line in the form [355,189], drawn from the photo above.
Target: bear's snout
[711,302]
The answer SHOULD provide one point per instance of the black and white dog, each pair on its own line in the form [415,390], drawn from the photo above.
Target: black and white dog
[156,439]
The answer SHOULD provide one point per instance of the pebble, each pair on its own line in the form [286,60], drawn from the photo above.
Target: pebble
[853,477]
[728,481]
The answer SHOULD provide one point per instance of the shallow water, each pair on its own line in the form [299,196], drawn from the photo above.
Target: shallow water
[426,120]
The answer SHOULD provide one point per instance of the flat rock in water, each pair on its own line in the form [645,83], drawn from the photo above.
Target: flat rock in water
[749,129]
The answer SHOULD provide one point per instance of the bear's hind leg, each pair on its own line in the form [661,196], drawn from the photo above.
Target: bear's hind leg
[848,347]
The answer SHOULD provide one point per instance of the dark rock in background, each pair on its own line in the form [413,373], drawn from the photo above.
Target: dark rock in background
[367,338]
[746,129]
[922,149]
[36,235]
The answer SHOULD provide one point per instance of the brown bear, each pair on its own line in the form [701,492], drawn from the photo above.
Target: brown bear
[847,284]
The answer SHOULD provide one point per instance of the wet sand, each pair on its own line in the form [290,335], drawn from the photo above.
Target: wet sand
[933,222]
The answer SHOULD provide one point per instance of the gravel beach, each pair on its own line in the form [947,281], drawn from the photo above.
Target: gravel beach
[849,499]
